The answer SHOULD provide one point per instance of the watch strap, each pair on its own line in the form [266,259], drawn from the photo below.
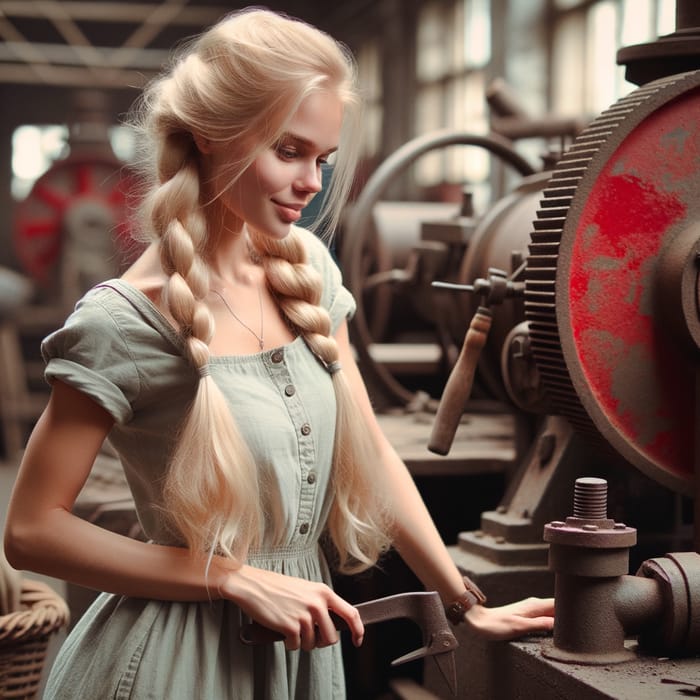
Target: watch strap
[472,596]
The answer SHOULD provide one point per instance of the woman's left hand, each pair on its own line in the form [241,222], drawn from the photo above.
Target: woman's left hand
[512,620]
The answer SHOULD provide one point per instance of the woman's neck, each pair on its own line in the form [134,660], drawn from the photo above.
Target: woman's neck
[234,261]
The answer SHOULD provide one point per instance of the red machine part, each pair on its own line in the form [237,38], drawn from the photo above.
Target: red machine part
[93,182]
[624,195]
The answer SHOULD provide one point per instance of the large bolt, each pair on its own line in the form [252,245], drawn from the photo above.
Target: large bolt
[591,498]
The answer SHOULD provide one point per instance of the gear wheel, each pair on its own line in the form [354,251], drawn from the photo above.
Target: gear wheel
[627,188]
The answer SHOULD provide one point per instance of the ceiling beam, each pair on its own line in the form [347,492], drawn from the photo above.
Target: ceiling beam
[63,55]
[115,12]
[74,76]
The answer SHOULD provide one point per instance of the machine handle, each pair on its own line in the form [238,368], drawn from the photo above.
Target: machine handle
[459,383]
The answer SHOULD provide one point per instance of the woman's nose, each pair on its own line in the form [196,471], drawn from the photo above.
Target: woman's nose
[310,179]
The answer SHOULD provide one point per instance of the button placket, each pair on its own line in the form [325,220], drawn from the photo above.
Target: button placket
[280,375]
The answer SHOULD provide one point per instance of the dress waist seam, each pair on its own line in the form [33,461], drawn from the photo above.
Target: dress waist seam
[300,551]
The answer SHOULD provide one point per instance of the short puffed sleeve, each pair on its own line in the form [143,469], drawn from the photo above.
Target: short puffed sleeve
[91,353]
[336,298]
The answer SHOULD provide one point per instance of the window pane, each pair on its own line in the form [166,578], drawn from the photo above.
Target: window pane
[368,71]
[433,44]
[34,150]
[603,71]
[465,103]
[370,82]
[371,130]
[666,17]
[637,18]
[568,65]
[477,44]
[429,118]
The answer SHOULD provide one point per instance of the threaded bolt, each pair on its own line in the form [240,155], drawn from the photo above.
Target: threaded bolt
[591,498]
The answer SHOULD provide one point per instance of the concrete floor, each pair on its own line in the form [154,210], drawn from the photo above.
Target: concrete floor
[8,474]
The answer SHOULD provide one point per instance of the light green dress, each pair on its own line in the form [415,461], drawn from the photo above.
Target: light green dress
[119,349]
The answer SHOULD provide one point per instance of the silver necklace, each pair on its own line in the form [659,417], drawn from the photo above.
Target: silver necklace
[260,338]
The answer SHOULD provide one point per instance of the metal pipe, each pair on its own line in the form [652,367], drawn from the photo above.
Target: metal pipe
[598,605]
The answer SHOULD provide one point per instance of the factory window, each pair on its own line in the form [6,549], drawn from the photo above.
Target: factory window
[453,49]
[586,36]
[36,147]
[370,82]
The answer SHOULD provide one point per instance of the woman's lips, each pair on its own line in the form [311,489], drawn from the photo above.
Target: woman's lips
[288,212]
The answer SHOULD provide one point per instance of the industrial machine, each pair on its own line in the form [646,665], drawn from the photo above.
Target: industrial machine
[73,230]
[580,289]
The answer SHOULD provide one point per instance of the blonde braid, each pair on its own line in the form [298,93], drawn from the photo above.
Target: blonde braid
[211,493]
[358,522]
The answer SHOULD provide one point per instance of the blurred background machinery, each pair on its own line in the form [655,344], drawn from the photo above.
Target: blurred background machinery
[574,265]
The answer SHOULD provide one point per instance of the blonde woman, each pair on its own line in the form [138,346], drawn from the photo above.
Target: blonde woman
[219,367]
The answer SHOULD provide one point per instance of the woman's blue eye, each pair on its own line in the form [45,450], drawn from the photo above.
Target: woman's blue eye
[287,153]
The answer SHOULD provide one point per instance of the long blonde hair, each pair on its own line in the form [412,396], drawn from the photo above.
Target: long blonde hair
[238,85]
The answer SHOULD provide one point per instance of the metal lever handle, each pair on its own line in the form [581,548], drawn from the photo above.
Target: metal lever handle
[424,608]
[459,383]
[416,606]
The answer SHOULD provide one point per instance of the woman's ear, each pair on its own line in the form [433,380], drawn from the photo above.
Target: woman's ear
[203,144]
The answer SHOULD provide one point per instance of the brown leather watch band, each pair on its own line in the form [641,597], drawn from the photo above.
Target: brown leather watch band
[472,596]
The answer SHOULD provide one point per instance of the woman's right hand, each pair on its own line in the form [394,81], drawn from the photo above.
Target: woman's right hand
[294,607]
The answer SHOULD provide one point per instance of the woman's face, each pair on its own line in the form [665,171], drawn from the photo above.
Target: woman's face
[271,194]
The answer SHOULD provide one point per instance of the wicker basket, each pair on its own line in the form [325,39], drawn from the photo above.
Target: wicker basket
[24,639]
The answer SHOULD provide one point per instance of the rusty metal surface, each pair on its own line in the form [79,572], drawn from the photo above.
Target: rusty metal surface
[589,554]
[518,671]
[619,197]
[643,677]
[598,605]
[678,629]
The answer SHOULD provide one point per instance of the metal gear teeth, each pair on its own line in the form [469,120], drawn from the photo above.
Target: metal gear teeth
[541,265]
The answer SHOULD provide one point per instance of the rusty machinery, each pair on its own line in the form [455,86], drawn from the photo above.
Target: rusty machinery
[614,332]
[583,289]
[73,230]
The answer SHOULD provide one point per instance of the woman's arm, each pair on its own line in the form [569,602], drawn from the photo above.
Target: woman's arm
[42,534]
[418,541]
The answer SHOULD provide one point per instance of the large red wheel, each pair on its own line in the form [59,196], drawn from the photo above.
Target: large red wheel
[621,204]
[86,190]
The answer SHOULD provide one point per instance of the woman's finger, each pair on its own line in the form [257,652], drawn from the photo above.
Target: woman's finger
[326,633]
[308,633]
[351,616]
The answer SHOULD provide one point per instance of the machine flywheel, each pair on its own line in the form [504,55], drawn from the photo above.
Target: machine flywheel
[622,196]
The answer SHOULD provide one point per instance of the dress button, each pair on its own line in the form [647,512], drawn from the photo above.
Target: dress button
[305,429]
[304,528]
[311,478]
[277,356]
[289,390]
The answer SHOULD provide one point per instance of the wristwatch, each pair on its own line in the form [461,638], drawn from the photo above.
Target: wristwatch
[472,596]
